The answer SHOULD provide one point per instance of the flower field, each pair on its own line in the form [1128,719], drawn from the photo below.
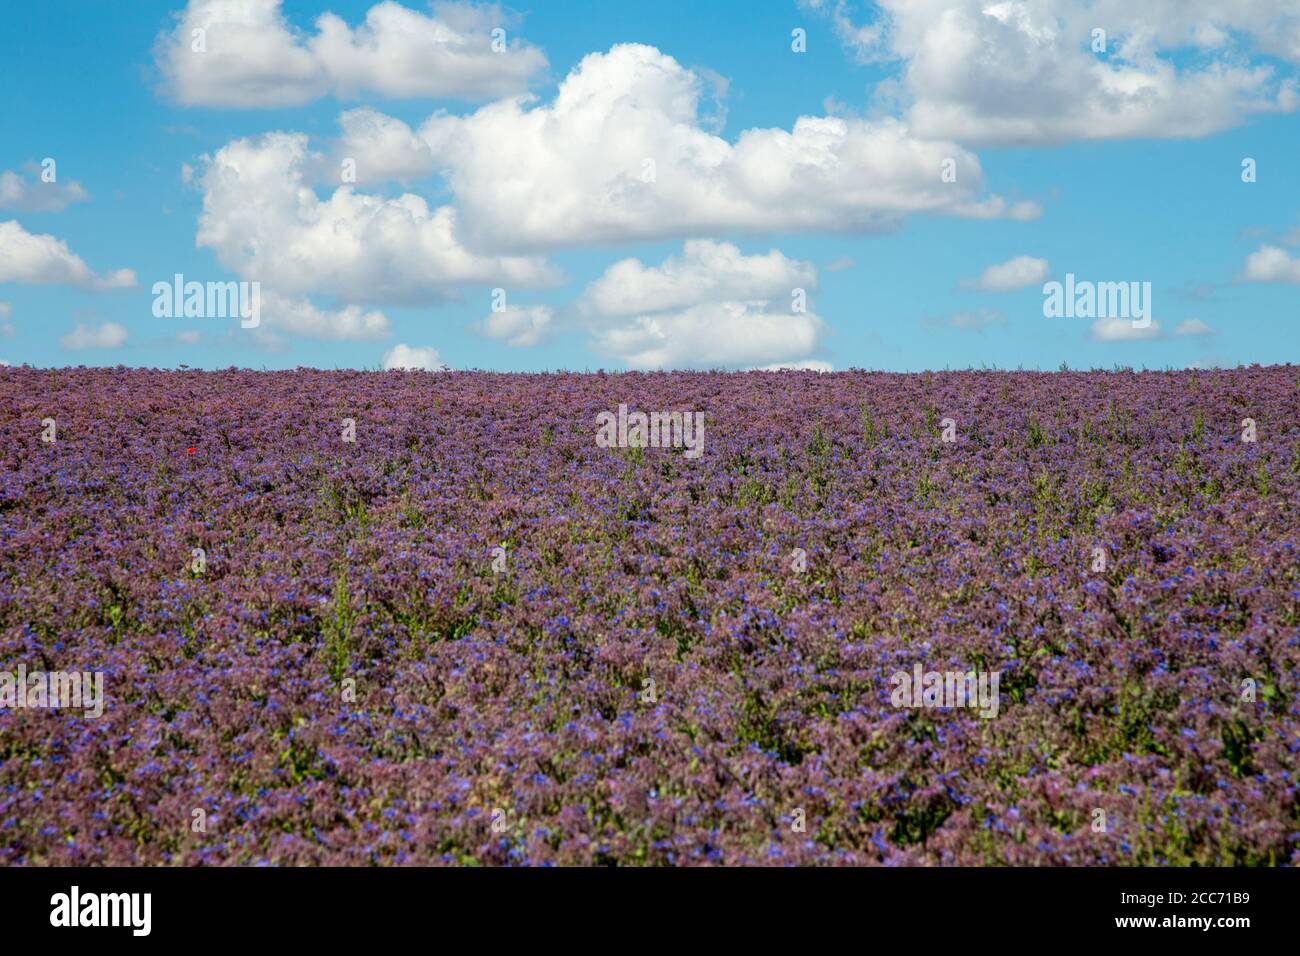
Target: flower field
[472,635]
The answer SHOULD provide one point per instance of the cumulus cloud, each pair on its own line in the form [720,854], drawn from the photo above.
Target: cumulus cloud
[43,259]
[1017,273]
[1025,72]
[30,193]
[620,154]
[519,325]
[707,271]
[381,148]
[1123,330]
[808,365]
[722,334]
[108,335]
[1272,264]
[403,356]
[252,57]
[265,222]
[1193,327]
[711,306]
[300,317]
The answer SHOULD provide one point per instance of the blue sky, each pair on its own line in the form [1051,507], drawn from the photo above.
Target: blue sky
[1116,166]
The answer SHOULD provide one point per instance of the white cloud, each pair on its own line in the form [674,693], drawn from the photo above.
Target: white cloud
[519,325]
[108,335]
[1193,327]
[707,271]
[301,317]
[861,39]
[266,223]
[722,334]
[1123,330]
[1272,264]
[1017,273]
[807,365]
[6,312]
[840,264]
[620,154]
[1023,71]
[413,357]
[254,58]
[43,259]
[189,337]
[711,306]
[33,194]
[382,148]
